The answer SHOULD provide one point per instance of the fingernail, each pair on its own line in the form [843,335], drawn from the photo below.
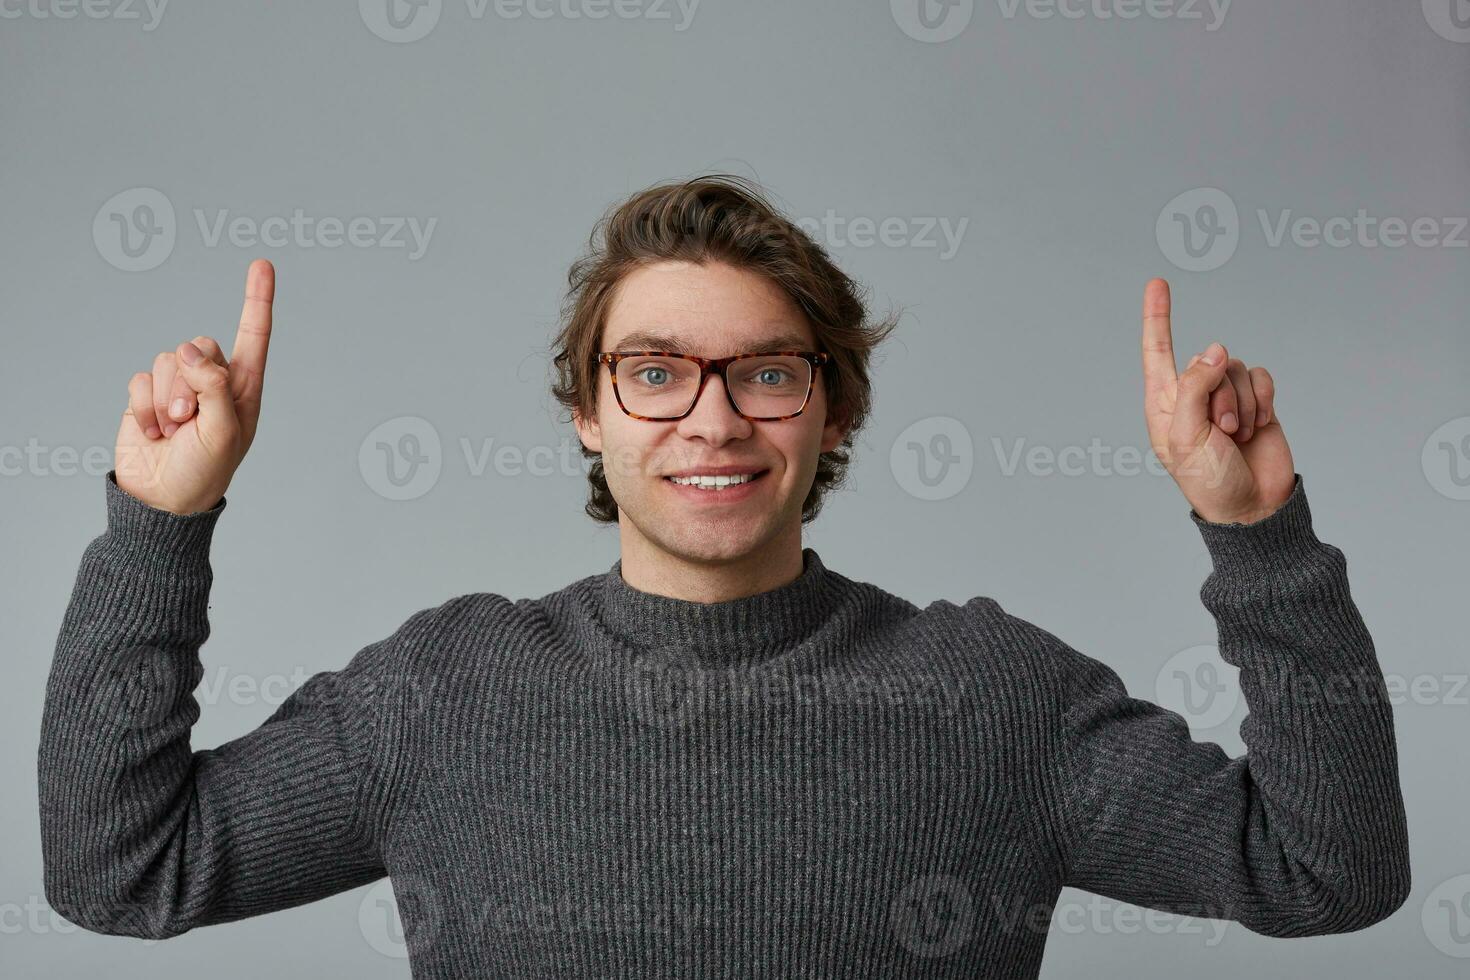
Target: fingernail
[1212,354]
[178,407]
[190,354]
[168,430]
[1228,420]
[154,432]
[1260,419]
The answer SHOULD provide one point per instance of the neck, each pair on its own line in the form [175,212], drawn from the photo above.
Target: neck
[650,568]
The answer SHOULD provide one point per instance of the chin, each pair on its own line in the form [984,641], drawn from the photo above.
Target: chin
[715,548]
[715,543]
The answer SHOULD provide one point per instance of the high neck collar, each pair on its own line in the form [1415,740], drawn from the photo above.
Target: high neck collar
[775,620]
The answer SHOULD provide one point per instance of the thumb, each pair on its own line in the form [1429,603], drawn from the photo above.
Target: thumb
[1191,425]
[219,426]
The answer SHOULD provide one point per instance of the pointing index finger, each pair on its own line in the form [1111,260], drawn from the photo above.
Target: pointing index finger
[1158,341]
[254,336]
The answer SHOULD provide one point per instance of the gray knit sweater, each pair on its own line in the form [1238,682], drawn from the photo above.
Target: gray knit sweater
[819,780]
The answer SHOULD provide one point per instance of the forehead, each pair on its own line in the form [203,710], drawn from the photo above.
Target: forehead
[712,309]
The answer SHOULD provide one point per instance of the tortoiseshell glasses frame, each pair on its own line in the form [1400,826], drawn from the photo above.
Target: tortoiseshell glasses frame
[708,366]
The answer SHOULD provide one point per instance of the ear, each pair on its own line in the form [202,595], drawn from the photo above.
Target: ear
[833,433]
[588,431]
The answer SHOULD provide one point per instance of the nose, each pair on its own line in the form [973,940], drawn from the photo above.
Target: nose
[712,417]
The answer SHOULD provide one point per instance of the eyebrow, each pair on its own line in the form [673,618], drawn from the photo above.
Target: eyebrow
[642,340]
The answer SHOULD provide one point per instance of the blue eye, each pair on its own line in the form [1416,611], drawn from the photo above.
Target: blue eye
[646,370]
[773,371]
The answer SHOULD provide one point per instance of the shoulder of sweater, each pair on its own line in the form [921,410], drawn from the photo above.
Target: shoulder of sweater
[477,616]
[428,638]
[470,621]
[1005,647]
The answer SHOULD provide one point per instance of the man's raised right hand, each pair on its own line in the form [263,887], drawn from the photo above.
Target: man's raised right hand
[188,425]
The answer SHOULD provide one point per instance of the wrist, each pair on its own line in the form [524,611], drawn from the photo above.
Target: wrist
[178,508]
[132,519]
[1246,517]
[1254,546]
[1253,513]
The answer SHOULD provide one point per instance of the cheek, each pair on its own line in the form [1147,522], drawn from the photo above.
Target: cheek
[797,445]
[628,449]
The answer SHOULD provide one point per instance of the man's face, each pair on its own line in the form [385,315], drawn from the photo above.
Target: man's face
[715,310]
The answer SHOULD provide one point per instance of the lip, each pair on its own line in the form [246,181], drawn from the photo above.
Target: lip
[719,470]
[729,495]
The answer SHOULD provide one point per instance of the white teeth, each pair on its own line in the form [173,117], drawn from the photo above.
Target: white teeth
[713,482]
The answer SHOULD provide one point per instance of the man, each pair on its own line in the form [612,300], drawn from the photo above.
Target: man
[719,757]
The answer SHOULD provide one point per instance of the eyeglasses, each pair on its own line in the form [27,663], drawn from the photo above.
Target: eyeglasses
[660,385]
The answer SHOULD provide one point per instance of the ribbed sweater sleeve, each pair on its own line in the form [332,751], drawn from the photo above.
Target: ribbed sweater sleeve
[143,836]
[1303,835]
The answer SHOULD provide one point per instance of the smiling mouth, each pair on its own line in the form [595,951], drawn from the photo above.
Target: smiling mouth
[716,484]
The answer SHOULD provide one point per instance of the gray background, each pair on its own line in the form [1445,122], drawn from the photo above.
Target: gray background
[1059,140]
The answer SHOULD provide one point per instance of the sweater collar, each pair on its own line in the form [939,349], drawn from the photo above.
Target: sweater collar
[767,622]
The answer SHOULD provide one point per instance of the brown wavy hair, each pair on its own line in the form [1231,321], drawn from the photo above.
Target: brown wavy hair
[724,218]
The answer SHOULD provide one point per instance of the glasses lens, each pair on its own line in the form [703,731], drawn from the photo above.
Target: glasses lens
[770,385]
[764,386]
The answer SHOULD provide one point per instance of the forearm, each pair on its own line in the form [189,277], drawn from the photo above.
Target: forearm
[115,761]
[1320,733]
[1303,835]
[143,836]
